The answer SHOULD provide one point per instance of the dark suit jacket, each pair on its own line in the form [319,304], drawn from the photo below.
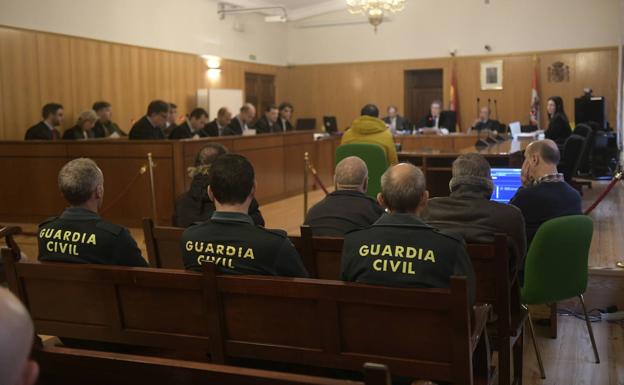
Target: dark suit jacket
[401,123]
[143,129]
[487,125]
[41,131]
[75,133]
[234,128]
[558,129]
[105,130]
[183,131]
[443,122]
[264,126]
[212,129]
[281,128]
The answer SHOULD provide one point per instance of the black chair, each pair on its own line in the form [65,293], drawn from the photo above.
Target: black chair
[584,168]
[571,158]
[448,120]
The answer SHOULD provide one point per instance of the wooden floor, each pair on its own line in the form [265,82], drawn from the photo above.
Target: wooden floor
[569,358]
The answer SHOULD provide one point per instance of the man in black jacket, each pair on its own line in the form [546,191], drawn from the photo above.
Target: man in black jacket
[151,125]
[401,250]
[218,125]
[483,122]
[52,114]
[348,208]
[285,114]
[268,122]
[105,127]
[195,205]
[396,122]
[240,123]
[192,127]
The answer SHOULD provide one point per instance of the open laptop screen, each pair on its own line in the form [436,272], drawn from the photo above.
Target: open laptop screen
[506,183]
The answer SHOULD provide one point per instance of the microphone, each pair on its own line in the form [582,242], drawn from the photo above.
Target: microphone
[495,109]
[478,100]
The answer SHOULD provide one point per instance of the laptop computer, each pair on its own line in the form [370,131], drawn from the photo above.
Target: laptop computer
[306,124]
[330,124]
[506,183]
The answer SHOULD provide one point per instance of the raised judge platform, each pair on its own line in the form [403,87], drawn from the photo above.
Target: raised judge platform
[30,169]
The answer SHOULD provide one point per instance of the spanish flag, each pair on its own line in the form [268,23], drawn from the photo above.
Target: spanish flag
[454,99]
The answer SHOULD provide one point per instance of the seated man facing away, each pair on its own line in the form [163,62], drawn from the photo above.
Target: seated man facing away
[399,249]
[368,128]
[195,205]
[79,235]
[16,340]
[229,239]
[544,194]
[348,208]
[468,210]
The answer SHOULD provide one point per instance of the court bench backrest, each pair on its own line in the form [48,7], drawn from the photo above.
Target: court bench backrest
[63,366]
[417,332]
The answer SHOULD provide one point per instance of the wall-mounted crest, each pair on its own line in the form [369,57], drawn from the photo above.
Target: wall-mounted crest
[558,72]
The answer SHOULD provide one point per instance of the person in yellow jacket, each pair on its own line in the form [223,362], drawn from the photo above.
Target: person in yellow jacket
[368,128]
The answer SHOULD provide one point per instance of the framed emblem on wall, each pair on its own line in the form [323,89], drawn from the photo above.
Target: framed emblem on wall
[492,75]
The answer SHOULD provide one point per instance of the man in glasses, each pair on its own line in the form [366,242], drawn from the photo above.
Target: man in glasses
[151,125]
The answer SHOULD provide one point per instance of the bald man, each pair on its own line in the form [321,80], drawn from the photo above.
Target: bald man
[348,208]
[544,193]
[399,249]
[16,339]
[241,122]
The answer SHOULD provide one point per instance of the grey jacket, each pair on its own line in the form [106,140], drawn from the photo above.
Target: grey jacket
[469,212]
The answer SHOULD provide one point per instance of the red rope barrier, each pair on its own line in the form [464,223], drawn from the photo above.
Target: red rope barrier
[602,196]
[317,179]
[124,191]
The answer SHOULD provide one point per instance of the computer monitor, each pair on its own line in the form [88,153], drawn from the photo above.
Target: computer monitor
[330,123]
[506,183]
[590,109]
[306,124]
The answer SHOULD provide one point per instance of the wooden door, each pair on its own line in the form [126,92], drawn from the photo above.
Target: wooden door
[421,88]
[259,91]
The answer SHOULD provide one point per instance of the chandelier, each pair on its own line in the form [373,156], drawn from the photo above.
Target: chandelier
[374,9]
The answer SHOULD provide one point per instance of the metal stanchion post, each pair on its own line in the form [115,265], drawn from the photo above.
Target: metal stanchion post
[306,165]
[151,165]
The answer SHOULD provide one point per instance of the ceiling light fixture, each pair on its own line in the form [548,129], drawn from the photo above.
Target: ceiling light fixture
[375,9]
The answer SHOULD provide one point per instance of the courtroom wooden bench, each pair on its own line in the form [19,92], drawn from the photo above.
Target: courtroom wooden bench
[495,286]
[420,333]
[63,366]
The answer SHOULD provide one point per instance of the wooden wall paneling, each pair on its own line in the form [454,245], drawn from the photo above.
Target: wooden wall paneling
[184,81]
[160,79]
[598,70]
[115,65]
[19,72]
[55,74]
[86,60]
[137,79]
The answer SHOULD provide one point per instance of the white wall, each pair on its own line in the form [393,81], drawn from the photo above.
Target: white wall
[429,28]
[184,25]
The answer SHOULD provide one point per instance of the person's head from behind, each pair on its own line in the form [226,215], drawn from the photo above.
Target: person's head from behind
[392,111]
[554,106]
[285,111]
[472,170]
[484,114]
[158,112]
[247,113]
[403,189]
[104,110]
[172,115]
[540,158]
[370,110]
[232,183]
[86,120]
[53,113]
[82,184]
[16,339]
[271,113]
[205,157]
[198,118]
[436,108]
[224,116]
[351,174]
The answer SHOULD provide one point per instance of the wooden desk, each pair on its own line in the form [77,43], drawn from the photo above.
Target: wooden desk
[29,171]
[437,163]
[450,142]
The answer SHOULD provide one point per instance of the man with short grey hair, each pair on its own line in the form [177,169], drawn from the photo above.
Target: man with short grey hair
[16,339]
[469,212]
[348,208]
[399,249]
[79,235]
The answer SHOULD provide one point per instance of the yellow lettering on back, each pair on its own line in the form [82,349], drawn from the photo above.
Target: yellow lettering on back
[363,251]
[430,256]
[91,239]
[249,254]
